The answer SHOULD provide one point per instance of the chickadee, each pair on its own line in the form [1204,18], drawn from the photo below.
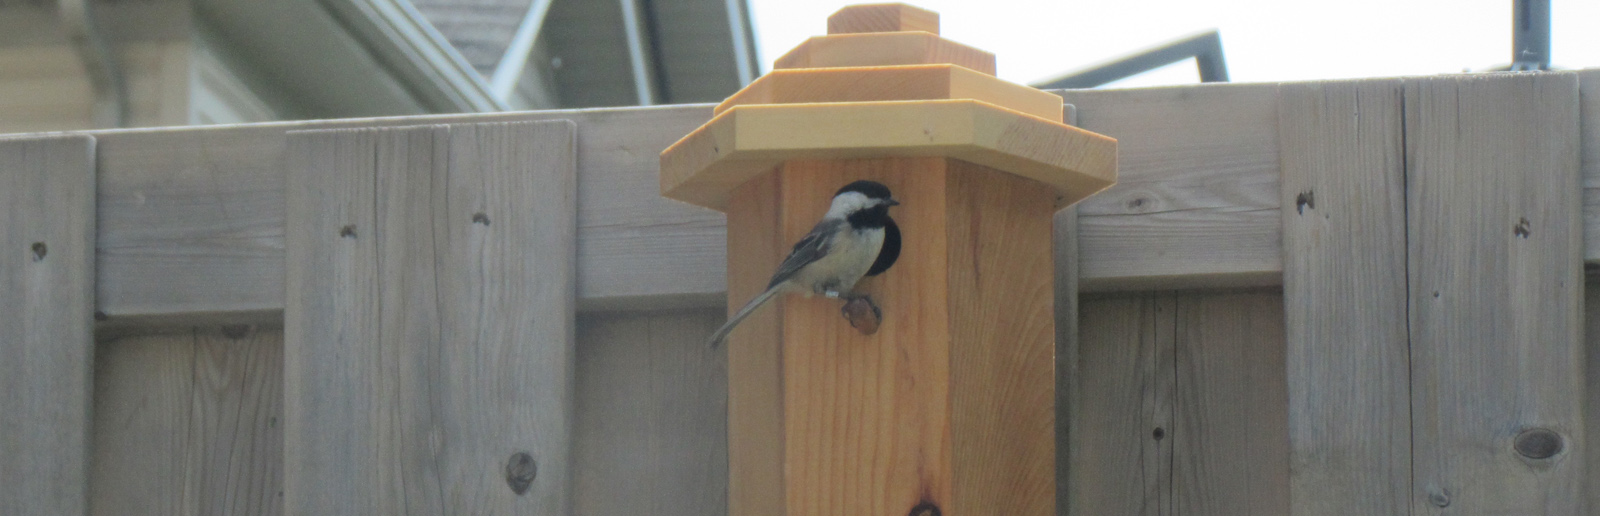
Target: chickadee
[855,238]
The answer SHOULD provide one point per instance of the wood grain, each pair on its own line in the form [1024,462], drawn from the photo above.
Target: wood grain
[652,414]
[867,418]
[1196,200]
[1121,438]
[1589,139]
[436,296]
[192,218]
[874,424]
[883,18]
[1591,308]
[1495,248]
[704,167]
[1182,406]
[880,83]
[756,424]
[884,49]
[47,226]
[1344,284]
[1002,342]
[195,227]
[189,423]
[1065,244]
[1230,436]
[191,221]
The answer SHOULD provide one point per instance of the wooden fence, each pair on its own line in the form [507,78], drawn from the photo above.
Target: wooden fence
[1351,297]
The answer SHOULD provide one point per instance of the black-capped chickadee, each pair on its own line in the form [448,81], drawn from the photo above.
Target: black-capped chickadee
[855,238]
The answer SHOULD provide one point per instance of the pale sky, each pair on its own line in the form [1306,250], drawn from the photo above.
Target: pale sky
[1263,40]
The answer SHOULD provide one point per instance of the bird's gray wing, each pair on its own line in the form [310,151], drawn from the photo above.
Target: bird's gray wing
[811,248]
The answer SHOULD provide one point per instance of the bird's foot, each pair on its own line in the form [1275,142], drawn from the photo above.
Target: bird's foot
[863,314]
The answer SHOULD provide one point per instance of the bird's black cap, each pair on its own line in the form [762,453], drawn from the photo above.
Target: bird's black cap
[871,189]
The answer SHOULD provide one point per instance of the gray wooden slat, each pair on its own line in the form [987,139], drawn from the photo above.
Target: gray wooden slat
[195,222]
[189,423]
[1495,257]
[1589,127]
[194,218]
[1344,284]
[1591,307]
[429,328]
[191,221]
[1120,463]
[1230,443]
[1066,318]
[1197,206]
[1196,200]
[47,221]
[652,415]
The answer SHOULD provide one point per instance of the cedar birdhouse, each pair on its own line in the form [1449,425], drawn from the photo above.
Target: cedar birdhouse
[949,407]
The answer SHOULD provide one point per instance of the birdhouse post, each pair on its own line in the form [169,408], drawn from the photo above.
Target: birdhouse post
[948,409]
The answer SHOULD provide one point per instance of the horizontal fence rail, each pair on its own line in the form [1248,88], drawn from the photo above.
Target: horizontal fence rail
[192,218]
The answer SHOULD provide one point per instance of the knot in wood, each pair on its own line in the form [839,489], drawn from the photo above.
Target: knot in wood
[1538,443]
[1306,199]
[925,509]
[521,469]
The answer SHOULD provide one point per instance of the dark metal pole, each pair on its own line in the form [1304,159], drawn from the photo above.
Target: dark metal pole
[1530,35]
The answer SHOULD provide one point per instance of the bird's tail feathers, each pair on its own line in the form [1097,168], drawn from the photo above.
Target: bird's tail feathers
[749,308]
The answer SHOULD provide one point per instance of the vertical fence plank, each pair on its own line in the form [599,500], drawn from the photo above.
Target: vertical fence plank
[1589,126]
[1122,438]
[189,423]
[1344,286]
[1229,437]
[47,221]
[1065,246]
[1066,263]
[651,435]
[1495,261]
[429,322]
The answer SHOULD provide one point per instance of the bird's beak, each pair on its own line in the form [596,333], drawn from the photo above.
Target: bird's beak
[893,202]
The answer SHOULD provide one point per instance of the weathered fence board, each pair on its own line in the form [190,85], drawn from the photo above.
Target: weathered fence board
[1182,406]
[1591,310]
[1196,201]
[433,291]
[1495,258]
[47,208]
[189,423]
[191,223]
[1589,139]
[652,415]
[1229,436]
[1121,439]
[194,216]
[1344,284]
[1066,317]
